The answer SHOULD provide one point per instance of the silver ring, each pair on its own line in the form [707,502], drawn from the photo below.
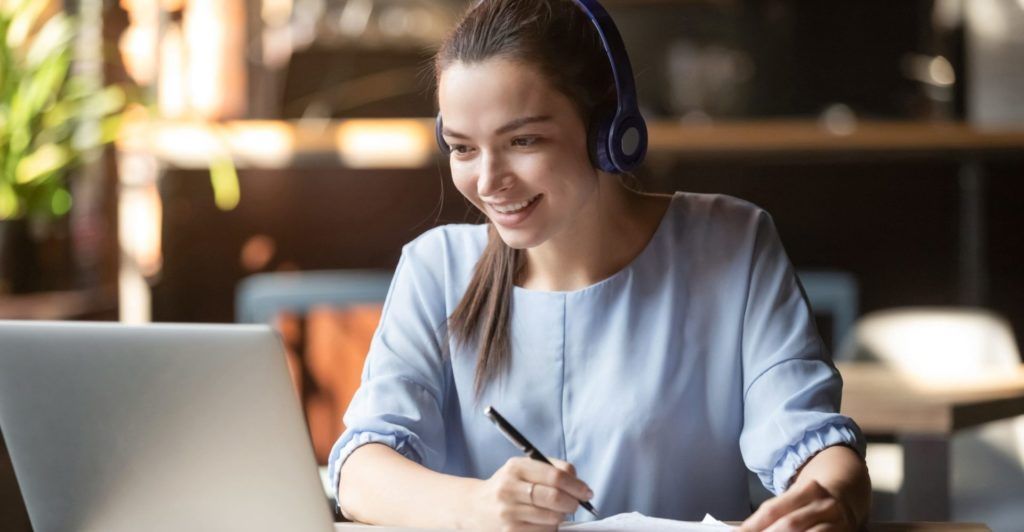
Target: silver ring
[529,491]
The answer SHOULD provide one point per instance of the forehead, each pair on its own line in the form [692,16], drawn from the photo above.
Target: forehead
[488,94]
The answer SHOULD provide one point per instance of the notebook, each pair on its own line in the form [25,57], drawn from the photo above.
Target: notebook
[629,522]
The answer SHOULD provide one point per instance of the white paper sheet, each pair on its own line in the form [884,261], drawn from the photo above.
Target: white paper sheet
[636,521]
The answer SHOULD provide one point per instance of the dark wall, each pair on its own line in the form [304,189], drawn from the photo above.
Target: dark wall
[317,219]
[894,224]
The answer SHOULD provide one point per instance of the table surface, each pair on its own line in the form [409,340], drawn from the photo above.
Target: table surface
[882,400]
[875,527]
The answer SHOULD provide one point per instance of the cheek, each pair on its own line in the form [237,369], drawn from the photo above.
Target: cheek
[465,184]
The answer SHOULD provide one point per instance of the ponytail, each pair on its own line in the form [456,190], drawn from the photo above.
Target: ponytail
[485,311]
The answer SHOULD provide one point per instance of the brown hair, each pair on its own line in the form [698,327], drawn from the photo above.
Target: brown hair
[557,38]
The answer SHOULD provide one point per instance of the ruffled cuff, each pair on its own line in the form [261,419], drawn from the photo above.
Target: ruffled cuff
[407,445]
[842,432]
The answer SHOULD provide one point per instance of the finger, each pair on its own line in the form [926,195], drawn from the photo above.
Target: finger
[822,511]
[541,473]
[773,509]
[563,466]
[553,499]
[534,515]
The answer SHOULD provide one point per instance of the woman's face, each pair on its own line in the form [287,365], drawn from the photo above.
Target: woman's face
[518,149]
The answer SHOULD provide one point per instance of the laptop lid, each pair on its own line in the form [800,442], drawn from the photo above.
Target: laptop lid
[157,427]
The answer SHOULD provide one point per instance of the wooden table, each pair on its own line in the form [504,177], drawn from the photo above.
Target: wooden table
[923,415]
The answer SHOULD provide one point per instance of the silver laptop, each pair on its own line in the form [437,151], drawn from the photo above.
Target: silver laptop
[162,427]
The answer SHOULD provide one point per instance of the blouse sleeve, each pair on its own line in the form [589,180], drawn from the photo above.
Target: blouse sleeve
[399,401]
[792,390]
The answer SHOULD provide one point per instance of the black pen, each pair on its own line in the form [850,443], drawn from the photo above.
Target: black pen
[524,445]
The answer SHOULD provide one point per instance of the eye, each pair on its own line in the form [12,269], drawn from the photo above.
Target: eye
[459,150]
[525,142]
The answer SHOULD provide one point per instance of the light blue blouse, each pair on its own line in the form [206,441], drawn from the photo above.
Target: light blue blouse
[662,384]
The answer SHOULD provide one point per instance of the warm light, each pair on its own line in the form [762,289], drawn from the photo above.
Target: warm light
[214,45]
[988,19]
[257,252]
[193,144]
[172,98]
[276,12]
[940,72]
[264,144]
[139,42]
[140,219]
[394,143]
[839,119]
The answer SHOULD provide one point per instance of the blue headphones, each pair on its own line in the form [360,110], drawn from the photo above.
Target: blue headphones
[618,134]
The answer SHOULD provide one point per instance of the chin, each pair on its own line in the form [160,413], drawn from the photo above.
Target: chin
[519,240]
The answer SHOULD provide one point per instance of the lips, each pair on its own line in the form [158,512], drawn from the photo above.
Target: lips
[512,214]
[512,208]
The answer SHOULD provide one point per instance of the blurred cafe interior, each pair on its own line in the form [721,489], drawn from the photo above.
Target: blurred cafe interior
[264,161]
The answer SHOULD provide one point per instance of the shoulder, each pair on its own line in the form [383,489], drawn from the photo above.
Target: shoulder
[444,243]
[445,255]
[719,208]
[717,217]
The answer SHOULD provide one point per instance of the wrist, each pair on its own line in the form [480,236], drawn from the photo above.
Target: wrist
[461,516]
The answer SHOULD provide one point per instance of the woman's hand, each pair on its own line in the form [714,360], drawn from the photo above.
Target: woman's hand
[805,506]
[527,495]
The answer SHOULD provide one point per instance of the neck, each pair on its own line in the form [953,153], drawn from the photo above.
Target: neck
[610,231]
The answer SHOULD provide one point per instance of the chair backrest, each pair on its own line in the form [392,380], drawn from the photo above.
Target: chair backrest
[326,320]
[263,296]
[835,294]
[935,341]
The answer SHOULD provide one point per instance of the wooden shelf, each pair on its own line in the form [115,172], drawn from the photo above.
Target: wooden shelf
[409,143]
[794,136]
[58,305]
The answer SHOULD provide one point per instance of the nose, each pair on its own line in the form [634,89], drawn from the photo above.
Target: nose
[494,176]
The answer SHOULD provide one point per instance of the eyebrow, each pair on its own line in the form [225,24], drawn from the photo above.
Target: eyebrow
[507,128]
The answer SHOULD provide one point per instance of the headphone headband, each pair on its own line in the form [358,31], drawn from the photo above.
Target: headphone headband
[618,142]
[611,40]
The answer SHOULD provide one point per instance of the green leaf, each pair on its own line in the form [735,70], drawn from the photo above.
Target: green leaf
[8,201]
[51,118]
[61,202]
[110,128]
[48,159]
[53,39]
[224,178]
[23,15]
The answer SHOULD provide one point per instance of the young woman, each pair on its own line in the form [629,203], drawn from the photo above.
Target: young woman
[661,344]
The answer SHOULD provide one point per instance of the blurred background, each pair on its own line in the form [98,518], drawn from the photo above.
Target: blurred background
[265,160]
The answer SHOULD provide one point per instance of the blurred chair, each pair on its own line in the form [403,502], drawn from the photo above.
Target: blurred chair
[262,296]
[326,321]
[934,341]
[947,344]
[833,294]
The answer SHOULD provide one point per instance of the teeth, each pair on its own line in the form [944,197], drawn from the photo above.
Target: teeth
[510,209]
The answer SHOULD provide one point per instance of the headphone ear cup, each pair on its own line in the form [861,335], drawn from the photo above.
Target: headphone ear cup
[438,133]
[597,140]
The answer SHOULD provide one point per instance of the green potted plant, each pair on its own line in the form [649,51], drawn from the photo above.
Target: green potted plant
[51,120]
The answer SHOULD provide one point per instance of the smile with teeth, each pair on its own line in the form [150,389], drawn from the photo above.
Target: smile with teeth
[514,207]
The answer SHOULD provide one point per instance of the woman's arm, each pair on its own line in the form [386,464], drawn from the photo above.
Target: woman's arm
[833,487]
[380,486]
